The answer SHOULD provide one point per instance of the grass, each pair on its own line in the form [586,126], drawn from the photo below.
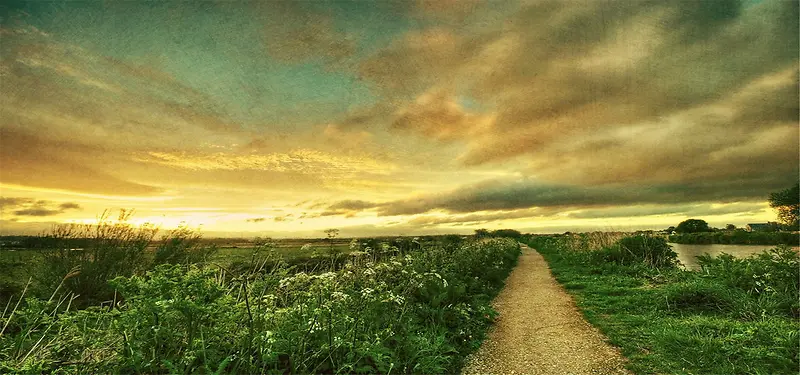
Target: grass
[671,321]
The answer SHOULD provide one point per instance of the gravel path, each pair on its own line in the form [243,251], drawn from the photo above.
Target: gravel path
[540,331]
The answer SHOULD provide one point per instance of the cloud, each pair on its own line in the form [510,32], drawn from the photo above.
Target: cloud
[689,210]
[23,206]
[309,163]
[478,217]
[512,195]
[37,212]
[436,114]
[256,220]
[30,159]
[352,205]
[598,92]
[69,206]
[14,201]
[71,118]
[296,33]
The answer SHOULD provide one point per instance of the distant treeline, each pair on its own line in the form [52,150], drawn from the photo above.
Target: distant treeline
[737,237]
[43,242]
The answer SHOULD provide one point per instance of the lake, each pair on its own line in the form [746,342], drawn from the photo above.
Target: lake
[687,253]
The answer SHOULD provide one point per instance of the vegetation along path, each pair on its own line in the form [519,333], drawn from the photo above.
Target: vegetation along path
[540,331]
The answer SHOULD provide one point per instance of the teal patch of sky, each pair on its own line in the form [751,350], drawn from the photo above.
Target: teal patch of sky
[218,51]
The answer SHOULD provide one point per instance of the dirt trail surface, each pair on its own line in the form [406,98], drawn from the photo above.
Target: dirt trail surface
[540,331]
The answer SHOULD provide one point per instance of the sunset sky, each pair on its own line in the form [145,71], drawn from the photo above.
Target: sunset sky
[285,119]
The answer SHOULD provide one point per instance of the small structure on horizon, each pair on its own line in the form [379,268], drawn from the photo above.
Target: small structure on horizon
[760,227]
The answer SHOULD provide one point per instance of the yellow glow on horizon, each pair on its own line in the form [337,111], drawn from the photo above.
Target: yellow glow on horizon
[159,198]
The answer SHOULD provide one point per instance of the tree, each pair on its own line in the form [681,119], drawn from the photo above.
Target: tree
[730,227]
[787,203]
[481,233]
[692,226]
[510,233]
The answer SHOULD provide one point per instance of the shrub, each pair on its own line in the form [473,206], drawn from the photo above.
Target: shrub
[653,252]
[772,276]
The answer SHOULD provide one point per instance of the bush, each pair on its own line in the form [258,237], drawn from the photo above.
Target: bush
[653,252]
[739,237]
[772,276]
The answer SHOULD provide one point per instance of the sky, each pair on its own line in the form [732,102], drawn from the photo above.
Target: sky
[397,118]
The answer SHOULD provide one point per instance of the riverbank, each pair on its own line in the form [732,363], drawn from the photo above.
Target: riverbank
[739,316]
[737,237]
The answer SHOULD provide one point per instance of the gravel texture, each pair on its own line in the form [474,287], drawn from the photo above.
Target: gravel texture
[540,331]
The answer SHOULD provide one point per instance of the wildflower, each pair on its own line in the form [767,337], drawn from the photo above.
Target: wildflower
[339,296]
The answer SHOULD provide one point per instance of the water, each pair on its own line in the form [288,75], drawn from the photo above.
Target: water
[687,253]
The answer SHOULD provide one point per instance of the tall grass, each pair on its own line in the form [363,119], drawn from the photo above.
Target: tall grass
[81,258]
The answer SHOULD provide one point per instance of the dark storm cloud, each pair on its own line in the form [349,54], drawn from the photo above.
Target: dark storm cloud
[22,206]
[514,195]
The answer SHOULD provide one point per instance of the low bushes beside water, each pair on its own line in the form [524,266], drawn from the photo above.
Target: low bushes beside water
[737,237]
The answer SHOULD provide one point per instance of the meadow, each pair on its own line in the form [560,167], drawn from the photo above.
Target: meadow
[733,316]
[128,302]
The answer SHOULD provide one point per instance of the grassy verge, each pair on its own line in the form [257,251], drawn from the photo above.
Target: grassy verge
[736,316]
[381,309]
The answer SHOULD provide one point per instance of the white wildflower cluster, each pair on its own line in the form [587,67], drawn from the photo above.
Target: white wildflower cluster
[438,276]
[339,296]
[367,292]
[393,298]
[327,276]
[314,325]
[298,279]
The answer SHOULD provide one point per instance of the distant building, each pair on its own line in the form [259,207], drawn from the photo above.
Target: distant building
[759,227]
